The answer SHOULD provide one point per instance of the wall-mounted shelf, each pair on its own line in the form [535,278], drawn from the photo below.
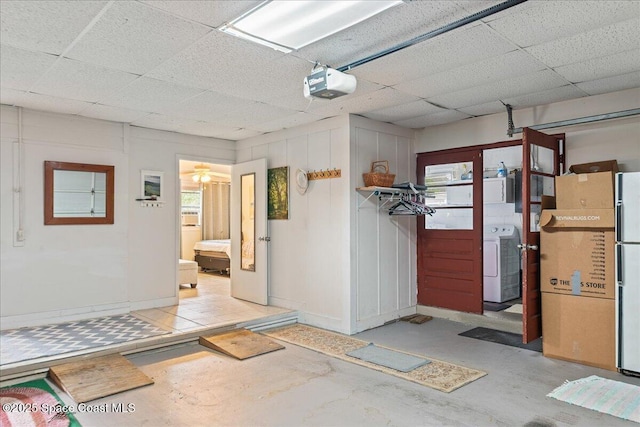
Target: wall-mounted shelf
[389,194]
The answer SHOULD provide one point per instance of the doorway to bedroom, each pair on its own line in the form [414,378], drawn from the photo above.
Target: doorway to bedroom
[204,228]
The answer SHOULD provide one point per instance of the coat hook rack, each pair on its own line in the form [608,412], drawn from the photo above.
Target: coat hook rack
[324,174]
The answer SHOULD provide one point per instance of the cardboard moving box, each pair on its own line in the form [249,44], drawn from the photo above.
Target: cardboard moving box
[592,186]
[579,329]
[577,250]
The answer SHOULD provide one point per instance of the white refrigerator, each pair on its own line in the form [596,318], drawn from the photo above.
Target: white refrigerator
[628,272]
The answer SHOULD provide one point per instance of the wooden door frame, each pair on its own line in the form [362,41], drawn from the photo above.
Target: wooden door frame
[560,163]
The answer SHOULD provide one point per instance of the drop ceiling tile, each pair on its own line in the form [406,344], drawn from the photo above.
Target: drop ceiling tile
[213,130]
[46,26]
[402,111]
[224,109]
[36,101]
[20,69]
[81,81]
[212,61]
[382,98]
[446,116]
[545,97]
[492,107]
[11,96]
[113,114]
[207,107]
[163,122]
[296,119]
[497,68]
[273,79]
[212,13]
[456,48]
[509,88]
[542,21]
[386,30]
[133,37]
[150,95]
[598,68]
[238,135]
[603,41]
[611,84]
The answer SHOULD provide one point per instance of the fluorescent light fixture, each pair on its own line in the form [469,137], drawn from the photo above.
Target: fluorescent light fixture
[291,25]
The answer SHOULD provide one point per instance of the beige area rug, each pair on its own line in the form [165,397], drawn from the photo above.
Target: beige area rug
[438,375]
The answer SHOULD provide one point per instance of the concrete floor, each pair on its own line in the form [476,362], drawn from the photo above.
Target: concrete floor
[298,387]
[195,386]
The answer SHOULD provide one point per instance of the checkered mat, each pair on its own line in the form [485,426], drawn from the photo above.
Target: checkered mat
[22,344]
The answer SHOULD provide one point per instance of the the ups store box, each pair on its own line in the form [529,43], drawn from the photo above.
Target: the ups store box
[577,252]
[590,187]
[579,329]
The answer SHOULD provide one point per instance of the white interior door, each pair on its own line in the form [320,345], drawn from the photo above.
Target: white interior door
[249,240]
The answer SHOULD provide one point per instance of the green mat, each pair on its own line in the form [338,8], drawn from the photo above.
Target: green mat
[603,395]
[34,403]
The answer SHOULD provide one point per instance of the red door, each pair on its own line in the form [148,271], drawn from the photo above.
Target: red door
[541,162]
[450,242]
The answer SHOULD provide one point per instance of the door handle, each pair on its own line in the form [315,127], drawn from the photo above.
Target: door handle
[264,239]
[524,247]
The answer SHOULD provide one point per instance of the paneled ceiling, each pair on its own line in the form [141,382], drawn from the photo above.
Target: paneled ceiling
[164,65]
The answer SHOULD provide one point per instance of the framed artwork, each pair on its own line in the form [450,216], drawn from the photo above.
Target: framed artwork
[151,185]
[278,193]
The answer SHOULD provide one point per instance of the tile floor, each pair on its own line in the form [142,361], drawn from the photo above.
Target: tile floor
[201,310]
[207,305]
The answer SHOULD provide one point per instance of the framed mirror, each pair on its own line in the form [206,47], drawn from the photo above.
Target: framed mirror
[248,221]
[78,193]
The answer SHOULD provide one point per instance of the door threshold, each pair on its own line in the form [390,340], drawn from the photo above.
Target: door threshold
[501,324]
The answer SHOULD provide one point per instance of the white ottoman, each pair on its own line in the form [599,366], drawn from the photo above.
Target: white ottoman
[187,273]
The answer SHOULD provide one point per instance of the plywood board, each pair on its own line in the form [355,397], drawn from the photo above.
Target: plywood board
[240,344]
[98,377]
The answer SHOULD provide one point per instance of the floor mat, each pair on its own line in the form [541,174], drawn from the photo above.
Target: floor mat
[389,358]
[494,306]
[17,345]
[599,394]
[240,344]
[98,377]
[439,375]
[36,394]
[501,337]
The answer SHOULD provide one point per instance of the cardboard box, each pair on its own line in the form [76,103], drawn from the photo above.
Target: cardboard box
[577,250]
[592,186]
[604,166]
[579,329]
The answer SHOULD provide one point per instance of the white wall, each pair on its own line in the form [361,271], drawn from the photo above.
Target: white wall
[78,271]
[384,265]
[309,252]
[319,257]
[614,139]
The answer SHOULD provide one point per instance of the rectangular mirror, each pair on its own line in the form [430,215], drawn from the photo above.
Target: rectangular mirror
[248,222]
[78,193]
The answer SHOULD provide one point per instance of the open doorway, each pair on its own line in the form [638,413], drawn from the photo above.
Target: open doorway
[502,231]
[479,253]
[204,228]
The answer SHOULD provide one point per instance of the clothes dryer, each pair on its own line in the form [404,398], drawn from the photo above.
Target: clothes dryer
[501,261]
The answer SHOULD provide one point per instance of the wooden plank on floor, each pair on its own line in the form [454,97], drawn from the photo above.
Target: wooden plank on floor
[240,344]
[98,377]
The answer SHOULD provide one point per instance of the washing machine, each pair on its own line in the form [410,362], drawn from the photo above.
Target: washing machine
[501,260]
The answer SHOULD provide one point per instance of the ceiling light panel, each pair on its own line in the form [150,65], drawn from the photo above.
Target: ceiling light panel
[291,25]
